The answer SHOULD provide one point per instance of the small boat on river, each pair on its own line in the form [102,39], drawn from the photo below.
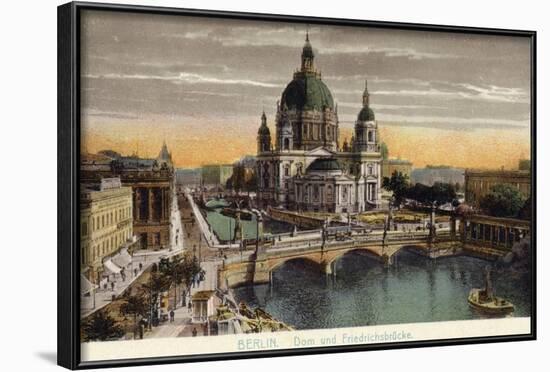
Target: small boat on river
[485,301]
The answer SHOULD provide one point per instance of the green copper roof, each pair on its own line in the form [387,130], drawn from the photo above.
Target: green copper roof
[307,92]
[366,114]
[324,164]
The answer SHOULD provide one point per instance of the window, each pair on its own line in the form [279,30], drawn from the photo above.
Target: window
[370,170]
[370,136]
[287,170]
[286,144]
[84,229]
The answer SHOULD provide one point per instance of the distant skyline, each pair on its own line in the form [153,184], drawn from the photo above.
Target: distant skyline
[201,84]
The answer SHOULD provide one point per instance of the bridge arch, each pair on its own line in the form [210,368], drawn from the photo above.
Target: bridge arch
[369,252]
[280,262]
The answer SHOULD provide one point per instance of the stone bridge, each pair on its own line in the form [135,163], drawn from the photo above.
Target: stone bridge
[257,267]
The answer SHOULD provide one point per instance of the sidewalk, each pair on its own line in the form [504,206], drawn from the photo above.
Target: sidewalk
[182,326]
[104,296]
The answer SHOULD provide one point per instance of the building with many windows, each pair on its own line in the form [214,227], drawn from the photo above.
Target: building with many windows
[390,166]
[477,183]
[152,182]
[105,224]
[306,169]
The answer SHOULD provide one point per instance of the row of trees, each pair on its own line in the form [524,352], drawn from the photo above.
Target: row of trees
[439,193]
[242,179]
[503,200]
[506,201]
[141,304]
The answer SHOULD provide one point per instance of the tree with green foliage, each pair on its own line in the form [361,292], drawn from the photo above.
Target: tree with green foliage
[251,183]
[503,201]
[443,193]
[229,184]
[238,177]
[156,284]
[134,305]
[179,270]
[101,327]
[439,193]
[384,151]
[190,267]
[526,211]
[398,183]
[171,269]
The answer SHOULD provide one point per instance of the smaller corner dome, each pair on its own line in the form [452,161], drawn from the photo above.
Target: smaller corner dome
[366,114]
[324,164]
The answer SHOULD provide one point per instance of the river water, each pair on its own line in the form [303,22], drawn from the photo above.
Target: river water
[224,226]
[364,292]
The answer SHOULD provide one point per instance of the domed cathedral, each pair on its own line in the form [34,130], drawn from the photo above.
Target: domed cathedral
[306,169]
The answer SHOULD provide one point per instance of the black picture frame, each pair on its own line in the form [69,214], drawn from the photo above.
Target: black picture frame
[68,321]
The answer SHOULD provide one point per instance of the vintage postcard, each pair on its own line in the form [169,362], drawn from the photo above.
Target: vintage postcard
[250,185]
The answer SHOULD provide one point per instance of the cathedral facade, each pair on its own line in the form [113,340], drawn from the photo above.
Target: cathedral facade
[306,169]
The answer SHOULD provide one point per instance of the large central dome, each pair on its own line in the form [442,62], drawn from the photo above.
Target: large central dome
[307,92]
[307,117]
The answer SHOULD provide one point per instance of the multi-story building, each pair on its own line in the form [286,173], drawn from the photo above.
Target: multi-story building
[480,182]
[403,166]
[439,173]
[216,175]
[106,224]
[306,169]
[152,182]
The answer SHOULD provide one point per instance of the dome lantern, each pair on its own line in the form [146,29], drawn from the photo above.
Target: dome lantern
[307,56]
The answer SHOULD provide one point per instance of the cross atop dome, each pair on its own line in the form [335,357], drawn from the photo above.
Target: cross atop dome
[366,95]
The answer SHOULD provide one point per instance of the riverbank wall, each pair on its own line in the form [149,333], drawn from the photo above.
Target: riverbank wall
[293,218]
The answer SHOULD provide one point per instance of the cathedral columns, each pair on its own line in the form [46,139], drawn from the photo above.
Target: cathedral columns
[150,204]
[137,205]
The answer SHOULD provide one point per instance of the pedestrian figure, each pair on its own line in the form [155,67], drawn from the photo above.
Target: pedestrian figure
[140,266]
[112,286]
[171,315]
[135,272]
[189,306]
[194,332]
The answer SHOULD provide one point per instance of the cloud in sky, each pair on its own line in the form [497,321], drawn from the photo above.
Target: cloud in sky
[139,66]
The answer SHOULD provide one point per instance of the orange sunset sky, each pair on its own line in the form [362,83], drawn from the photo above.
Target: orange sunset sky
[191,146]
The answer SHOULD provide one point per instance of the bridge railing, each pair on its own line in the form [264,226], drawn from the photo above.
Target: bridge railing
[358,239]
